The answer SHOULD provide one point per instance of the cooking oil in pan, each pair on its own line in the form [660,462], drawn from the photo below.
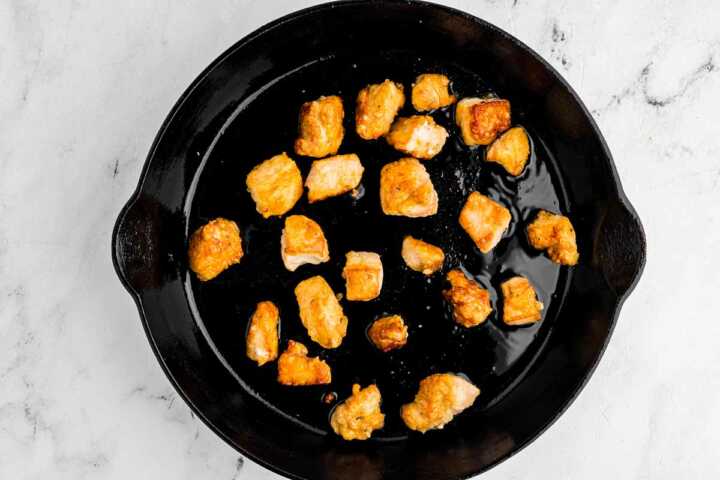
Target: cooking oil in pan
[492,355]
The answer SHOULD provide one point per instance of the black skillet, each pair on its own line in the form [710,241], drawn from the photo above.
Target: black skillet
[243,109]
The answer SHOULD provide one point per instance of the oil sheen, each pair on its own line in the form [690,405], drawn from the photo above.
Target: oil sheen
[493,356]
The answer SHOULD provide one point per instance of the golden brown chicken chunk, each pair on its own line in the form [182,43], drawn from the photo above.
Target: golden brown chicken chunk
[480,120]
[511,150]
[388,333]
[321,127]
[359,414]
[470,302]
[484,220]
[302,241]
[406,189]
[422,256]
[296,368]
[262,340]
[439,399]
[556,234]
[418,136]
[333,176]
[320,312]
[520,304]
[431,91]
[376,108]
[214,247]
[363,274]
[275,185]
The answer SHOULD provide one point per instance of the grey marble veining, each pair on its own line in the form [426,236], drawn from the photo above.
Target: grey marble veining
[84,86]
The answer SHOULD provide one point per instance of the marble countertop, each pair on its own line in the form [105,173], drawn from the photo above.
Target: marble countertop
[84,87]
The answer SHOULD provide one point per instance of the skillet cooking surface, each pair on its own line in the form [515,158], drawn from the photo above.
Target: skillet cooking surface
[492,355]
[243,109]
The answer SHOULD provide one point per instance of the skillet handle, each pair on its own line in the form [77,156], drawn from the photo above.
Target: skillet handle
[134,244]
[622,249]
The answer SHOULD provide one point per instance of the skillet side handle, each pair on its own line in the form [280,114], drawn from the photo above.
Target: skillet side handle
[622,248]
[134,245]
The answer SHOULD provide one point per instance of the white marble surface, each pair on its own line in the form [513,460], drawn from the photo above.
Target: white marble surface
[84,86]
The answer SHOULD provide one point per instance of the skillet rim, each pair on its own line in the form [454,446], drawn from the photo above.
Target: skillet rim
[621,200]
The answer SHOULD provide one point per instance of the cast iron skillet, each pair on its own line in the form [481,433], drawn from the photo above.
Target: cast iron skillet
[243,109]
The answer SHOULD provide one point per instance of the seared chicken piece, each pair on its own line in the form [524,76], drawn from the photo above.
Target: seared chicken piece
[556,234]
[431,91]
[511,150]
[296,368]
[376,108]
[484,220]
[214,247]
[363,274]
[480,120]
[406,189]
[302,241]
[388,333]
[422,256]
[439,399]
[418,136]
[333,176]
[359,414]
[520,304]
[321,127]
[275,185]
[320,312]
[470,302]
[262,340]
